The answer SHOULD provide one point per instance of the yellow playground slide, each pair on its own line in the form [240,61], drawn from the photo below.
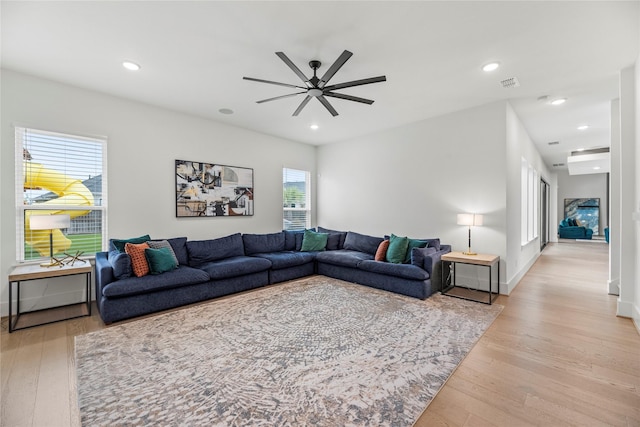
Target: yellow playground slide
[70,191]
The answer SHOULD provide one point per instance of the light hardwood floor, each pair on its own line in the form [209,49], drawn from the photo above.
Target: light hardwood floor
[557,355]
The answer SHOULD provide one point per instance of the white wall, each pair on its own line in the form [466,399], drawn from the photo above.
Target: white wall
[583,186]
[636,208]
[629,284]
[413,180]
[518,146]
[615,234]
[143,142]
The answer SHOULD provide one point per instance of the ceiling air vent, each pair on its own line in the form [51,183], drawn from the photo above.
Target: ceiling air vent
[557,165]
[510,82]
[553,142]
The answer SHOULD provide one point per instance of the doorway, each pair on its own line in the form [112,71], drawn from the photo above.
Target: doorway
[544,213]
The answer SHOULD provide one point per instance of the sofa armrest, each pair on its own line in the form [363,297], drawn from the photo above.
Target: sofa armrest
[104,272]
[431,262]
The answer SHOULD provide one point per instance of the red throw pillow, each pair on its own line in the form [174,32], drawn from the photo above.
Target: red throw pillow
[381,253]
[139,263]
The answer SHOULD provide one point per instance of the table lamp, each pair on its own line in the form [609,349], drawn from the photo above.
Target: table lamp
[49,222]
[469,220]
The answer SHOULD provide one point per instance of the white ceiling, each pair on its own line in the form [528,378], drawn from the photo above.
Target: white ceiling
[194,55]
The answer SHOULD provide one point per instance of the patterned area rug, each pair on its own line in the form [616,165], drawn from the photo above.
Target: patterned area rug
[316,351]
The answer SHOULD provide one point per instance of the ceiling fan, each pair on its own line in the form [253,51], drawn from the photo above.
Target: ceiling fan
[317,87]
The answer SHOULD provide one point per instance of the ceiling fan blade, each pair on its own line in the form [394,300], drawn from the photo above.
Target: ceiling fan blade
[356,83]
[349,97]
[328,106]
[273,83]
[280,97]
[293,67]
[304,102]
[334,68]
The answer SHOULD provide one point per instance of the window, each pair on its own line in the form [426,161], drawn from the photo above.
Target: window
[64,175]
[296,196]
[529,202]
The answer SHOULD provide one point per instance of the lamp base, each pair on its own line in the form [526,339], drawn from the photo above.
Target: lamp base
[469,253]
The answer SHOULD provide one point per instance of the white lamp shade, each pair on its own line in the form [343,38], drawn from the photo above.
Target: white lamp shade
[49,222]
[469,219]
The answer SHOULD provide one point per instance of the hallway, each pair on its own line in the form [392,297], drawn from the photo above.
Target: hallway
[556,355]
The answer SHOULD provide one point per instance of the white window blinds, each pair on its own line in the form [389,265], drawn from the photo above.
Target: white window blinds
[59,174]
[296,197]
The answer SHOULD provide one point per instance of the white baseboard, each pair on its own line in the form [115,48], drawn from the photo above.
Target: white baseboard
[614,286]
[636,317]
[511,284]
[625,309]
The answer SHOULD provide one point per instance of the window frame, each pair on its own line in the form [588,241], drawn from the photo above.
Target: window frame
[307,198]
[22,140]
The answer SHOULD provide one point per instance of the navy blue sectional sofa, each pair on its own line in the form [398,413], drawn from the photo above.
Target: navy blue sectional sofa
[212,268]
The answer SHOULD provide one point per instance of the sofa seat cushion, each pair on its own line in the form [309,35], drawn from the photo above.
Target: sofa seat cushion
[287,259]
[343,257]
[405,271]
[235,266]
[181,276]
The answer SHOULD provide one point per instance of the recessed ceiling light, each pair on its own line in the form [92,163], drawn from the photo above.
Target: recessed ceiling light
[131,66]
[580,149]
[559,101]
[583,127]
[596,168]
[492,66]
[225,111]
[314,127]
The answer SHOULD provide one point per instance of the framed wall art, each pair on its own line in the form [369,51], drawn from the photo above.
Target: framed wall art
[209,189]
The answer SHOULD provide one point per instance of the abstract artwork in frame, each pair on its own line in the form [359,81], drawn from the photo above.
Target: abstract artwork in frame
[209,189]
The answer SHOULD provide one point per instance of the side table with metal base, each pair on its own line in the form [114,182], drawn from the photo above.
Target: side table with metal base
[451,287]
[27,272]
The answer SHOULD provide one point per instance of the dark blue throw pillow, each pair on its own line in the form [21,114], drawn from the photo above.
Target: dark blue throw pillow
[121,264]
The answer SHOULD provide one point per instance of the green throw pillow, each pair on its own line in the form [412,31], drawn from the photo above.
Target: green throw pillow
[397,249]
[160,260]
[312,241]
[413,243]
[120,243]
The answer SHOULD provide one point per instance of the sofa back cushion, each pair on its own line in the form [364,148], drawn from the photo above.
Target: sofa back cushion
[263,243]
[362,243]
[203,251]
[179,246]
[336,238]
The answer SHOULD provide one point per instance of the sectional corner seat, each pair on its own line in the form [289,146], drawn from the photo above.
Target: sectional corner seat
[213,268]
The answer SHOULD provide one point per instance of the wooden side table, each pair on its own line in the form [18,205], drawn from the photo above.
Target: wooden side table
[450,284]
[27,272]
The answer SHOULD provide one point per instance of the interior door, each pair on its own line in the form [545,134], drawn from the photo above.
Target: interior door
[544,214]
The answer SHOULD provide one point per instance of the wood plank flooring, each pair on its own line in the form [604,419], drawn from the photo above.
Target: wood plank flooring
[556,356]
